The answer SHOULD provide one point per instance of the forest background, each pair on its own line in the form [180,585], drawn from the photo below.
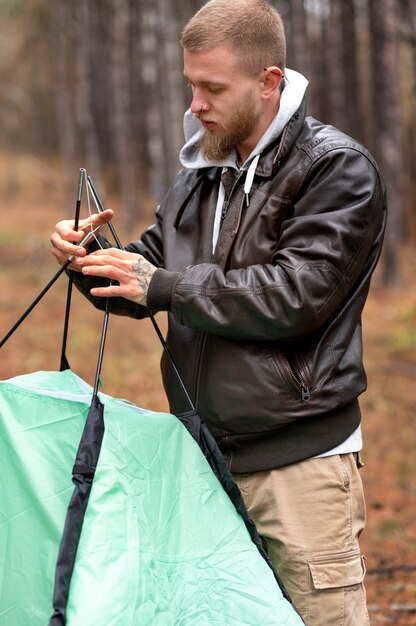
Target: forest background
[99,84]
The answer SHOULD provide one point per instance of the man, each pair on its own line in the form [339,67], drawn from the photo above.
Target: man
[262,254]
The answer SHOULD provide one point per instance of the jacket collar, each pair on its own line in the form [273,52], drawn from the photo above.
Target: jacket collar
[273,156]
[195,179]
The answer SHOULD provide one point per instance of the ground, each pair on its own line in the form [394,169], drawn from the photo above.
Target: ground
[131,370]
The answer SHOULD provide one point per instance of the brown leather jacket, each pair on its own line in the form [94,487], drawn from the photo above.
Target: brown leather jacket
[266,332]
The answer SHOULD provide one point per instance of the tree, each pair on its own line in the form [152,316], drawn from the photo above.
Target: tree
[61,29]
[387,129]
[84,108]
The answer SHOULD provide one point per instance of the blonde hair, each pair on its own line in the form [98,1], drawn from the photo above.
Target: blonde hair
[252,28]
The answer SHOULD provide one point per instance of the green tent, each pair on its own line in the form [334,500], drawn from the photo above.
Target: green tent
[161,542]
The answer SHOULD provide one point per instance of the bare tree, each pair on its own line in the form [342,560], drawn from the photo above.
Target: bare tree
[139,102]
[84,92]
[298,49]
[121,117]
[61,28]
[317,30]
[169,81]
[407,34]
[387,124]
[335,55]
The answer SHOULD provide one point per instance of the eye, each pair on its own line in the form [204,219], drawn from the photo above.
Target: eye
[215,90]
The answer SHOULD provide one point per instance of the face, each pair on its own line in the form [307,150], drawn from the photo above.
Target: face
[226,101]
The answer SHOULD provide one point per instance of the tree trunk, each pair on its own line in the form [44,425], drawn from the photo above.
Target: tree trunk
[84,93]
[123,140]
[352,102]
[61,22]
[334,52]
[139,104]
[387,124]
[298,38]
[408,99]
[170,81]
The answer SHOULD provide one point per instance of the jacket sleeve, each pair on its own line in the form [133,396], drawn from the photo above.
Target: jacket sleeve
[326,249]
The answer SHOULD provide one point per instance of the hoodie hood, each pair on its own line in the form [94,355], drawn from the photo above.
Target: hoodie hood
[191,156]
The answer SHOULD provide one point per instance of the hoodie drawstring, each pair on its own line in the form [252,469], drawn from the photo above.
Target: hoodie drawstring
[250,177]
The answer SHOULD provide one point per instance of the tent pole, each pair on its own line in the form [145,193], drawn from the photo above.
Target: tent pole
[86,239]
[64,361]
[35,302]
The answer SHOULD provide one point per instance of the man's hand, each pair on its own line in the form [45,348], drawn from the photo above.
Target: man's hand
[65,239]
[131,271]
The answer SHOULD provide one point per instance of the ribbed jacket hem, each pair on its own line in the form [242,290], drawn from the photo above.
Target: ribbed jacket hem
[301,440]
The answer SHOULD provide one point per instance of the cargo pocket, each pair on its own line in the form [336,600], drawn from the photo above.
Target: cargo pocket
[341,569]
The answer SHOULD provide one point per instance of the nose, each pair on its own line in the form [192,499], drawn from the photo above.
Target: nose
[198,103]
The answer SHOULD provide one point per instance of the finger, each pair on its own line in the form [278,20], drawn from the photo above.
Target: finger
[106,271]
[109,292]
[63,258]
[65,238]
[66,228]
[62,249]
[99,219]
[130,291]
[105,258]
[115,253]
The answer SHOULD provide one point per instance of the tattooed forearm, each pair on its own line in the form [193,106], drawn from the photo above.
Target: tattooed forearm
[143,271]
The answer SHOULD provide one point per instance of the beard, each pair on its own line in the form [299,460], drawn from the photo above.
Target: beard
[243,121]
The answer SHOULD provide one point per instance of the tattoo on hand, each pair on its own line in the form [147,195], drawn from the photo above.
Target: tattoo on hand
[144,272]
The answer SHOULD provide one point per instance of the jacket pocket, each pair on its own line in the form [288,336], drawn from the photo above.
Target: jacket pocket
[341,569]
[295,374]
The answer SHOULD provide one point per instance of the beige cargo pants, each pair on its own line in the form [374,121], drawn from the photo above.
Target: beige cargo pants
[310,515]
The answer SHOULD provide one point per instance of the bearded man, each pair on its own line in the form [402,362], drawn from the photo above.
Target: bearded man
[262,254]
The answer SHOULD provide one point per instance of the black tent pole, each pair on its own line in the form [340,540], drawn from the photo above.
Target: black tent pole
[53,280]
[35,302]
[86,239]
[100,206]
[101,350]
[64,361]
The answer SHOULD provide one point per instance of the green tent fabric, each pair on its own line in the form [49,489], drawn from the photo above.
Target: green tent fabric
[161,543]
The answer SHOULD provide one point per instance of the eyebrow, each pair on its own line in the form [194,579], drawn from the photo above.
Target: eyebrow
[205,83]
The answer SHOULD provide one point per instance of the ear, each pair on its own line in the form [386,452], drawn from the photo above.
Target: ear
[272,80]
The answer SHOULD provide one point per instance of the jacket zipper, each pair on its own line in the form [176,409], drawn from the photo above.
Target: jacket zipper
[227,200]
[224,212]
[297,379]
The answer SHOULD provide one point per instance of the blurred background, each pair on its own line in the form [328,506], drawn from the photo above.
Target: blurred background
[98,84]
